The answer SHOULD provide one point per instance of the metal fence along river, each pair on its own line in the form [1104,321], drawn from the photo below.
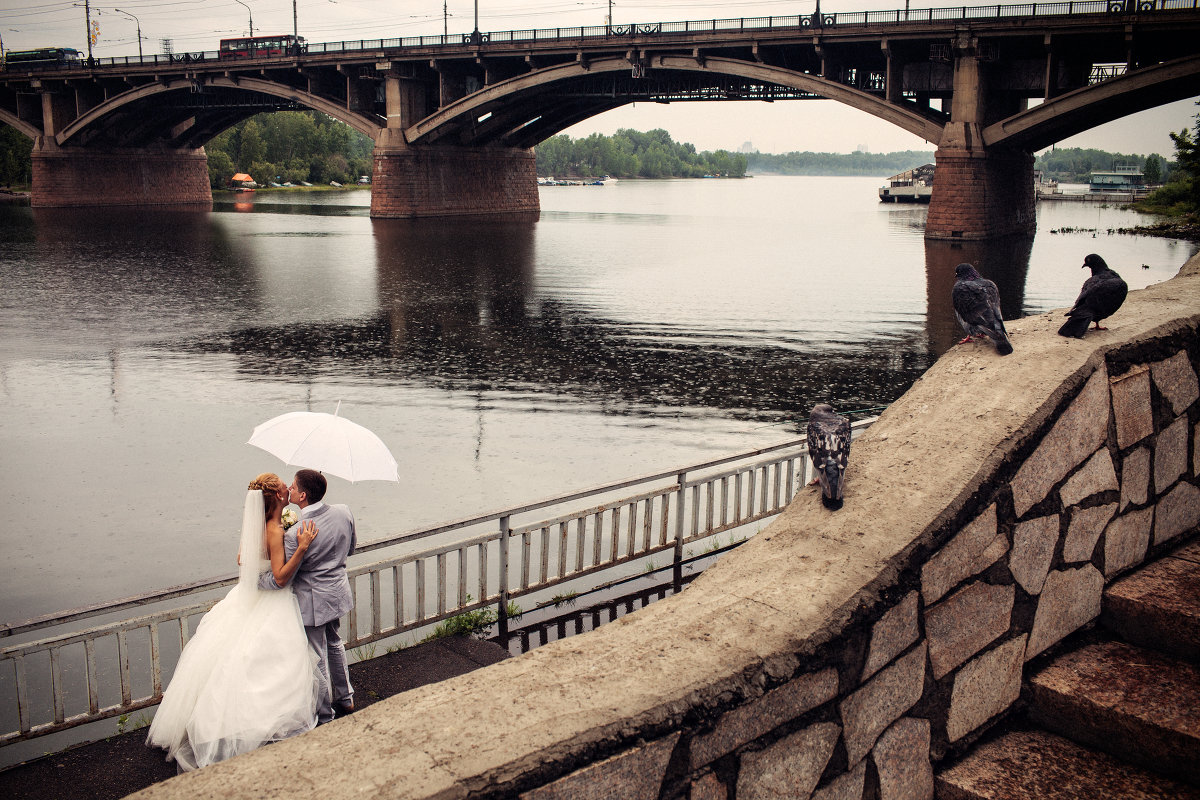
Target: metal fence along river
[119,667]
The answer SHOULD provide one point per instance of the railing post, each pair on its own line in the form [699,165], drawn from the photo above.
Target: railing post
[502,611]
[677,572]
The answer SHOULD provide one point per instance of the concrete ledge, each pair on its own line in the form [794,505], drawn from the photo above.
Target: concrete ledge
[806,596]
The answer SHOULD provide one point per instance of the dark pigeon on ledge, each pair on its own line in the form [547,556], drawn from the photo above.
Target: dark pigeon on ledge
[1101,296]
[829,449]
[977,306]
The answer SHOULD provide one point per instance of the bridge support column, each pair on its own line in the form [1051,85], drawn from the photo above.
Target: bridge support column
[64,177]
[440,181]
[981,194]
[978,193]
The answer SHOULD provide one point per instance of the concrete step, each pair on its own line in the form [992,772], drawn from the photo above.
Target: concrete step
[1159,605]
[1036,765]
[1136,704]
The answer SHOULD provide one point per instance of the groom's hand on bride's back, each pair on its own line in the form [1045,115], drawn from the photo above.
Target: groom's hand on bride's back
[308,532]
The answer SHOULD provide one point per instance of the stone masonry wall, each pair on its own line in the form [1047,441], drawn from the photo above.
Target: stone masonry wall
[442,181]
[100,177]
[834,656]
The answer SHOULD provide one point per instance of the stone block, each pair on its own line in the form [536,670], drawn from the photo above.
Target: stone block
[901,759]
[1135,477]
[1176,380]
[790,768]
[1177,513]
[1170,454]
[972,550]
[1096,476]
[1086,526]
[985,687]
[1033,550]
[881,701]
[708,787]
[1077,433]
[99,176]
[1126,539]
[893,634]
[1196,450]
[747,723]
[634,774]
[1131,406]
[965,623]
[848,786]
[1069,600]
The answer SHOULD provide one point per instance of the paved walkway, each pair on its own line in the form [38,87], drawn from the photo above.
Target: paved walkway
[120,765]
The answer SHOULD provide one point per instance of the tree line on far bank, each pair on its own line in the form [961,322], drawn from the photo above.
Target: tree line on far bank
[633,154]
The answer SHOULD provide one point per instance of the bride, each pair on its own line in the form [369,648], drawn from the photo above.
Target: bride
[247,676]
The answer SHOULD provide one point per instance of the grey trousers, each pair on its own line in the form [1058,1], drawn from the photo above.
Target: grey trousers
[335,676]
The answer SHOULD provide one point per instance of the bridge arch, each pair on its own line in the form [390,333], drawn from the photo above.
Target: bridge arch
[508,112]
[20,125]
[1085,108]
[96,116]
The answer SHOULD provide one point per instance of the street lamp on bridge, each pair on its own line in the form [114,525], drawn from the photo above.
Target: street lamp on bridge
[251,13]
[138,22]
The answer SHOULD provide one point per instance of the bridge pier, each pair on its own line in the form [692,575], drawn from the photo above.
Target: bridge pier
[978,192]
[438,181]
[981,194]
[66,177]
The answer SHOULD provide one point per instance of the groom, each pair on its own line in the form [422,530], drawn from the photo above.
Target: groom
[322,588]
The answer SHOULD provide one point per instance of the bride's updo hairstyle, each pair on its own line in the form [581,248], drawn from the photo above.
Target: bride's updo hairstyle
[269,484]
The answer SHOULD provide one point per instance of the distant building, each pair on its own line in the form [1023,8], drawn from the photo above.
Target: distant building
[862,148]
[747,147]
[1120,179]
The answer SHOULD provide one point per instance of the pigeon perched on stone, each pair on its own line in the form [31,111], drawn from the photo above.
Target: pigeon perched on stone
[829,449]
[977,306]
[1101,296]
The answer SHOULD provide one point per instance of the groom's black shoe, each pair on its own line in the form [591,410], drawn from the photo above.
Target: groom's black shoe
[342,710]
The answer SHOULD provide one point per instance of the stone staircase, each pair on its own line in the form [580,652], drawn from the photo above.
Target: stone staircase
[1116,716]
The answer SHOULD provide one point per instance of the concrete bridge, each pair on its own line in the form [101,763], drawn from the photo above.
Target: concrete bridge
[454,118]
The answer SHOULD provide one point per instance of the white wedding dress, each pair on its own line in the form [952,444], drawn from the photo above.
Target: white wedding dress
[247,676]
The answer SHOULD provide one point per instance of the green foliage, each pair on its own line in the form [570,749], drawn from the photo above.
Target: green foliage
[807,163]
[364,652]
[289,146]
[1153,170]
[633,154]
[1180,196]
[16,163]
[470,623]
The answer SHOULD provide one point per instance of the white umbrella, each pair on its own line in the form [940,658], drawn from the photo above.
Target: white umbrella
[328,443]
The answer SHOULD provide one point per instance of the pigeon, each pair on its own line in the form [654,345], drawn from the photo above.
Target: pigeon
[1101,296]
[977,306]
[829,449]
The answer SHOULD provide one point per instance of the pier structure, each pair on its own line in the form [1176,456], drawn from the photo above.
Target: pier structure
[454,118]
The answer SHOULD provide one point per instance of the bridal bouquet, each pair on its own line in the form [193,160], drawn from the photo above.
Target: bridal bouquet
[289,518]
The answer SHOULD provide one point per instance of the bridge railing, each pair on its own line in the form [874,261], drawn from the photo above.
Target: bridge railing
[634,30]
[535,552]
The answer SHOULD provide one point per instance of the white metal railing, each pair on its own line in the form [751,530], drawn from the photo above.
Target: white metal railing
[71,678]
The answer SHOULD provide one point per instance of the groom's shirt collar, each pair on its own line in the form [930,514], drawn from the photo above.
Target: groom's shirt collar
[312,508]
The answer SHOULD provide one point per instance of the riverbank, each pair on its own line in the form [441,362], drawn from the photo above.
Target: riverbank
[1185,228]
[122,764]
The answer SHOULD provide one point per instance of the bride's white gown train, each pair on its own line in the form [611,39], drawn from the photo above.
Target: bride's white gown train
[247,677]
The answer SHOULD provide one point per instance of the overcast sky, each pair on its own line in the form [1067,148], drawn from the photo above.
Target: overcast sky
[817,125]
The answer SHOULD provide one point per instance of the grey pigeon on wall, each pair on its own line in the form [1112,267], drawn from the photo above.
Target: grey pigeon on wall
[977,306]
[1101,296]
[829,449]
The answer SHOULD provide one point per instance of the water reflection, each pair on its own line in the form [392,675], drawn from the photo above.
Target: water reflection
[1004,261]
[459,311]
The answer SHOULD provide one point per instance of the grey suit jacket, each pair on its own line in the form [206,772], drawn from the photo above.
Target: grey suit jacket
[321,586]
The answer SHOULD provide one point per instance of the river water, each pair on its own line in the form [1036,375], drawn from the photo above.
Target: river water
[626,329]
